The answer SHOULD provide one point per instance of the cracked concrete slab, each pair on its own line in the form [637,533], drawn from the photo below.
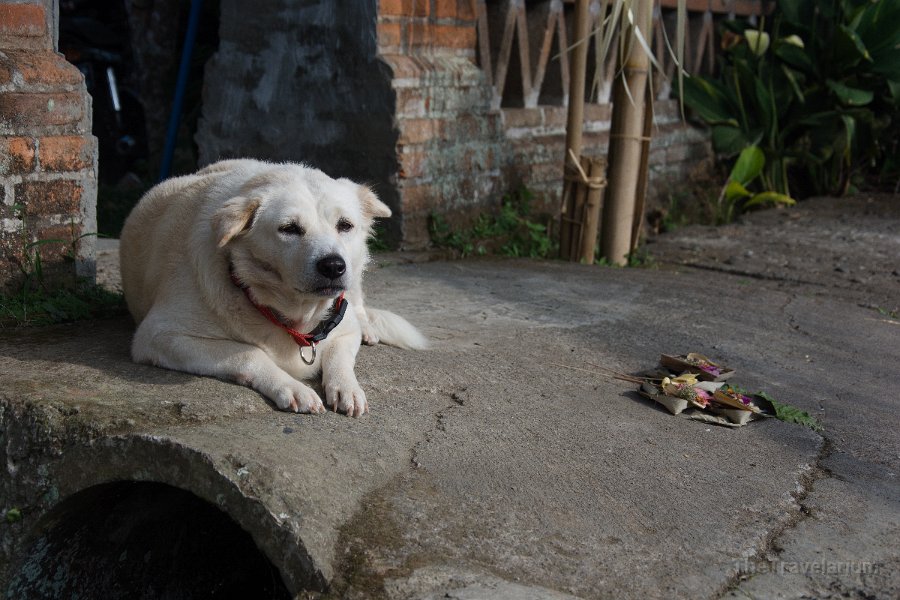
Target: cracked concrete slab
[503,463]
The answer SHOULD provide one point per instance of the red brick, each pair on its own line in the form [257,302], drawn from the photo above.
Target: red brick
[23,111]
[44,198]
[403,67]
[6,70]
[16,155]
[418,34]
[417,198]
[465,10]
[390,35]
[446,9]
[45,68]
[416,131]
[25,20]
[65,153]
[413,163]
[57,242]
[453,36]
[410,103]
[597,112]
[554,116]
[415,232]
[404,8]
[521,117]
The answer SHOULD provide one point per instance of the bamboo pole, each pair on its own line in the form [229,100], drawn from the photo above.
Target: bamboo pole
[569,226]
[640,197]
[626,139]
[596,182]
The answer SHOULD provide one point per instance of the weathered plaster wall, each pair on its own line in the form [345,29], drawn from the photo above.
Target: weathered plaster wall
[300,80]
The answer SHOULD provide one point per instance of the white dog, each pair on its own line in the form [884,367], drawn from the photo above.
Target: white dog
[244,271]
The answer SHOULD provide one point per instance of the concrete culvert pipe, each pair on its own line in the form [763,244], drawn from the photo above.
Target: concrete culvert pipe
[142,540]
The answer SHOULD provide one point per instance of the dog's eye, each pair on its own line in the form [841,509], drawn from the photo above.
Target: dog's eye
[344,225]
[292,229]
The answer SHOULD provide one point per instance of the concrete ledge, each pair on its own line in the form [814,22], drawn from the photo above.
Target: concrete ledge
[487,466]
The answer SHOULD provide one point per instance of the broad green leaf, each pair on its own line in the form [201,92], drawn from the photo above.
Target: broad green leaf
[843,50]
[797,13]
[707,100]
[769,198]
[728,140]
[748,166]
[856,41]
[790,414]
[848,95]
[888,63]
[850,131]
[894,86]
[791,76]
[735,191]
[877,26]
[765,107]
[794,56]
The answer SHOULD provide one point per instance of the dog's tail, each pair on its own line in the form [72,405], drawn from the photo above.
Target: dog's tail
[394,330]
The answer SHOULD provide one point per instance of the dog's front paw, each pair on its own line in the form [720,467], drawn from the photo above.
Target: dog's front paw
[369,337]
[346,397]
[297,397]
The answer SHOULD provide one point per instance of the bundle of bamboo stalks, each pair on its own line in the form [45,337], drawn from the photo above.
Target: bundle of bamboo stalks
[585,177]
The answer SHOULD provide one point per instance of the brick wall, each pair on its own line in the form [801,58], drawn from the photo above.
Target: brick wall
[457,156]
[536,137]
[48,156]
[451,149]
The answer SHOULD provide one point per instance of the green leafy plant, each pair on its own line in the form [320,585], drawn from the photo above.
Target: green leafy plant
[41,307]
[510,232]
[640,258]
[817,94]
[736,197]
[790,414]
[37,303]
[13,515]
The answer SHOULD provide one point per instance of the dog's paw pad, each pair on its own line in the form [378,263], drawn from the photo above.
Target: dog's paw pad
[350,400]
[300,399]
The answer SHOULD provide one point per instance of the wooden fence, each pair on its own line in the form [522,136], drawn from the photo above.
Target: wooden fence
[552,32]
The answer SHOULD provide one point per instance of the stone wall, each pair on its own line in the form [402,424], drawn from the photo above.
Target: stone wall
[48,157]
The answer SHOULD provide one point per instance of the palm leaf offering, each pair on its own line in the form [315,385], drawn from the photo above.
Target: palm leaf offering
[692,382]
[694,362]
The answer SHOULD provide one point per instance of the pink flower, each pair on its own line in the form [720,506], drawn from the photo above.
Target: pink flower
[703,396]
[711,369]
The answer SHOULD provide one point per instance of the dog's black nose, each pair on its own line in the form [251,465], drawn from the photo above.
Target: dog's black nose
[331,266]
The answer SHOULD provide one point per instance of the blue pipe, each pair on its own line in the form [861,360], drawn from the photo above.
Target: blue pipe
[187,50]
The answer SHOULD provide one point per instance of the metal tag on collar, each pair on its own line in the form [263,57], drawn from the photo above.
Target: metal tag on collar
[312,358]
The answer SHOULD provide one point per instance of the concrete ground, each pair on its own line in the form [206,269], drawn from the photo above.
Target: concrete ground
[503,463]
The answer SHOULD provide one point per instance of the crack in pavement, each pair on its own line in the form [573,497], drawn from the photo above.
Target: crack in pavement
[769,550]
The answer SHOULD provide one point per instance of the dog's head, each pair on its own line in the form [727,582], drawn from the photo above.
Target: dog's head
[295,234]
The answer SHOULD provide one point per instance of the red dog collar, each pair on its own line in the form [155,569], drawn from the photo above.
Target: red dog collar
[303,340]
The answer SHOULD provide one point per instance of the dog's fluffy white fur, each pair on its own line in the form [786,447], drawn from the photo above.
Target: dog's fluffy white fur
[272,225]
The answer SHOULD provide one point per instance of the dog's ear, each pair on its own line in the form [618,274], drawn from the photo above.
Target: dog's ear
[235,216]
[371,206]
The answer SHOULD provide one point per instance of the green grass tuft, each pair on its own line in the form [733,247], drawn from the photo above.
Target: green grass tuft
[39,307]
